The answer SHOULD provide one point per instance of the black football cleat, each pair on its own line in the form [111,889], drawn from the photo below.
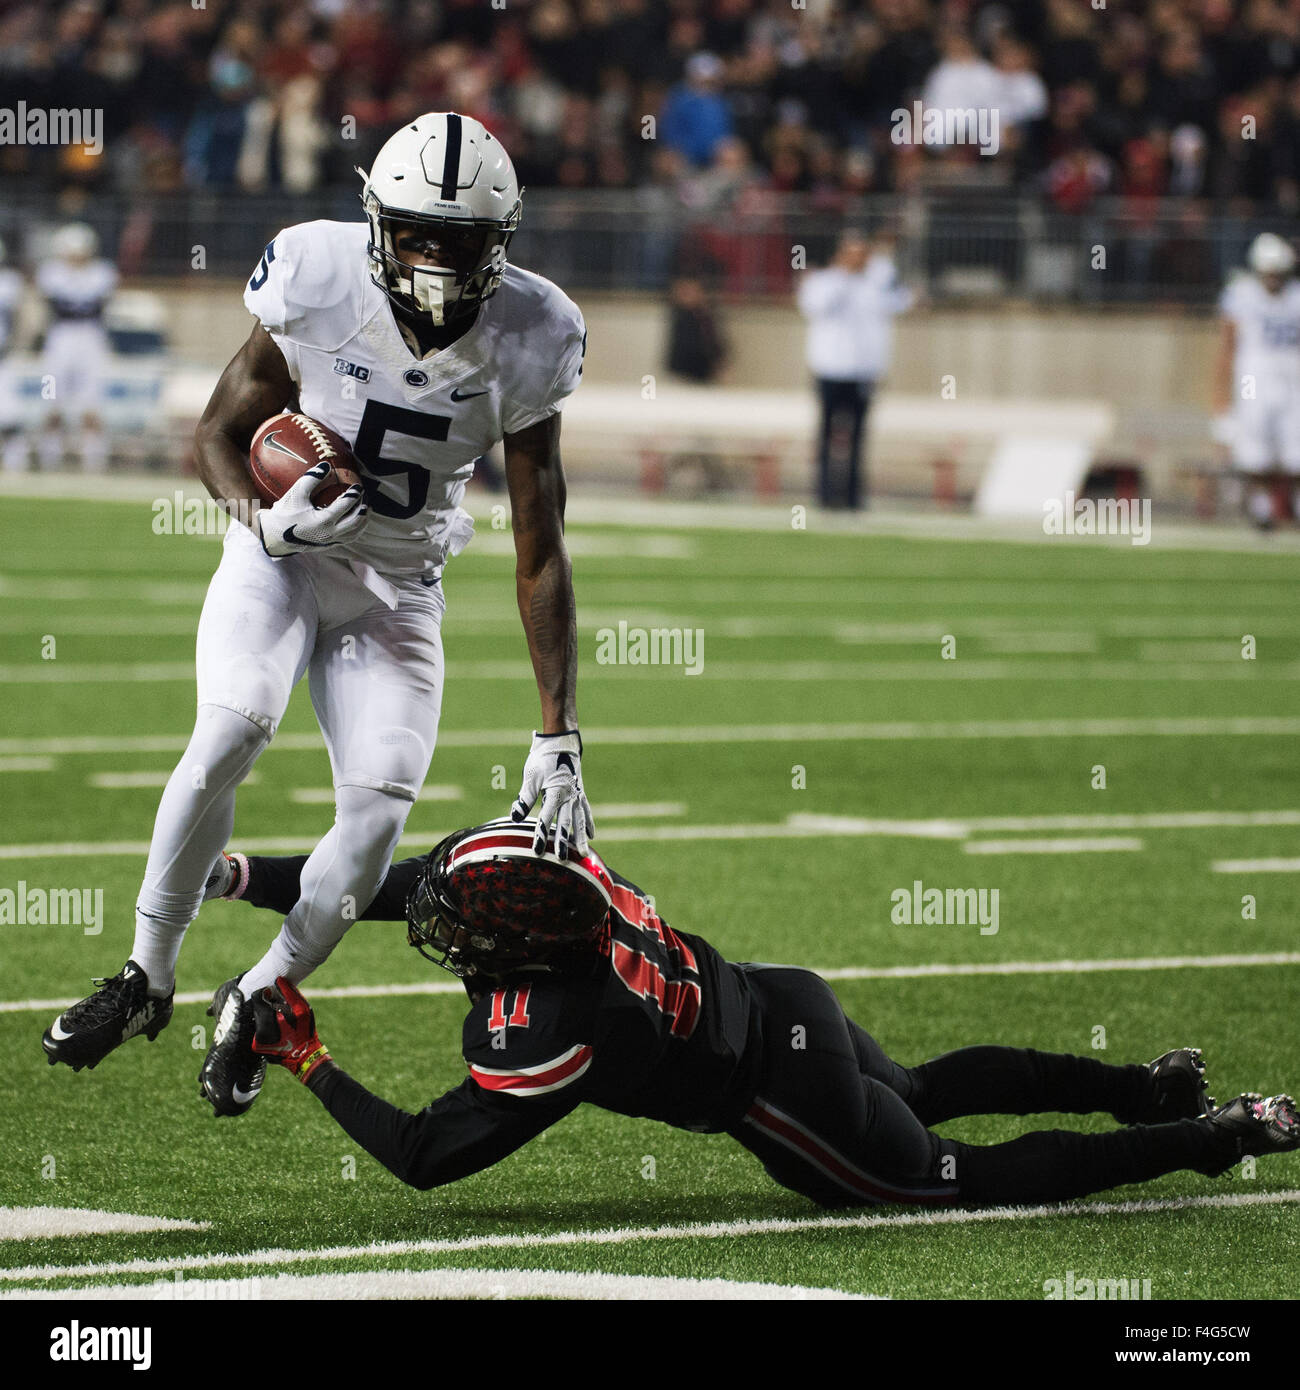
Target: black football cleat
[1252,1126]
[1177,1090]
[1181,1086]
[232,1074]
[121,1007]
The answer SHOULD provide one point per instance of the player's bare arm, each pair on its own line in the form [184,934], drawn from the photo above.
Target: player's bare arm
[543,574]
[255,385]
[544,588]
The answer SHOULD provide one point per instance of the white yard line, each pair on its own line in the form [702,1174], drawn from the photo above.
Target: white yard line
[943,969]
[26,764]
[724,1230]
[799,826]
[1256,866]
[1096,844]
[1244,726]
[450,1283]
[126,781]
[39,1223]
[968,669]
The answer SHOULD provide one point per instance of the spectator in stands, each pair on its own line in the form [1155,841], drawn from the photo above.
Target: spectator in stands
[850,308]
[696,115]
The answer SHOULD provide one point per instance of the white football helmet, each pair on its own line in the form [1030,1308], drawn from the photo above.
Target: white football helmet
[1271,255]
[446,179]
[74,242]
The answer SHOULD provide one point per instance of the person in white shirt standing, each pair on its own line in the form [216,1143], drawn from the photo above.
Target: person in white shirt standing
[1257,378]
[13,448]
[76,286]
[850,308]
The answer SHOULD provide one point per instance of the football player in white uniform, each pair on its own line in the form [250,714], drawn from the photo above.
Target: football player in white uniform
[76,287]
[414,339]
[11,438]
[1257,377]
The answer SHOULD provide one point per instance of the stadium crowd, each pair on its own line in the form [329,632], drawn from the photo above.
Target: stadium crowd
[1141,98]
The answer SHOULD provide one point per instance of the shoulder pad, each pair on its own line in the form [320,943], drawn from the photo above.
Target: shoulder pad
[311,284]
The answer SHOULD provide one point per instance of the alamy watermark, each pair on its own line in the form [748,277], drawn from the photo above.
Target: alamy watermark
[945,907]
[655,646]
[53,907]
[1074,1288]
[939,126]
[45,125]
[1100,516]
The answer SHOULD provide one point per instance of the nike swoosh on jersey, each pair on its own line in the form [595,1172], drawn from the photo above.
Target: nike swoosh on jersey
[468,396]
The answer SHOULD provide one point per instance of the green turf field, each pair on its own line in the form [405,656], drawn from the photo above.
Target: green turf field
[827,754]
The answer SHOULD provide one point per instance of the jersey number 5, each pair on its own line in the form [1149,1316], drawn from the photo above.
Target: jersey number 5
[377,420]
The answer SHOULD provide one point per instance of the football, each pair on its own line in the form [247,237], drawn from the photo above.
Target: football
[287,445]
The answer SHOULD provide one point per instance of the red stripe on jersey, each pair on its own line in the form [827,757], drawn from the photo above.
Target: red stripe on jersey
[679,1000]
[792,1135]
[532,1081]
[638,913]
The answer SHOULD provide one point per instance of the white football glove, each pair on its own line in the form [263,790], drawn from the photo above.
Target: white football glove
[293,524]
[554,772]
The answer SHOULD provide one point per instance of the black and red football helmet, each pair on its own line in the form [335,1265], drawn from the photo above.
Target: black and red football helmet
[486,903]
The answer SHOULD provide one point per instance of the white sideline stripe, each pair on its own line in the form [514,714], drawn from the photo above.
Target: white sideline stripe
[26,764]
[1217,727]
[324,796]
[940,969]
[624,1235]
[455,1283]
[1256,866]
[1079,845]
[37,1223]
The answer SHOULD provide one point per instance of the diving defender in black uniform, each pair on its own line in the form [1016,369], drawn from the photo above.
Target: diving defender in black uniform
[580,992]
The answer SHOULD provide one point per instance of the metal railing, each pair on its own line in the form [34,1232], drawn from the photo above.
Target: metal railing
[959,244]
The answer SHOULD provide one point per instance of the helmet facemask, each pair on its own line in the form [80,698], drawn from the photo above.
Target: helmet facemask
[474,251]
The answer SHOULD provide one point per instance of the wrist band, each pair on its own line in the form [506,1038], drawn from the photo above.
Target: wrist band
[321,1053]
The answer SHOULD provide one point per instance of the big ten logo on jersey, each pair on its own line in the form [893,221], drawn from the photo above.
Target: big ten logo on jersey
[353,369]
[499,1020]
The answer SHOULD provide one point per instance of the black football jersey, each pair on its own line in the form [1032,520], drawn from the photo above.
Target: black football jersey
[662,1029]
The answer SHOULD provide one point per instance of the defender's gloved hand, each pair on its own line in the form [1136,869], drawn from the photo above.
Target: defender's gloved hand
[554,772]
[285,1030]
[293,524]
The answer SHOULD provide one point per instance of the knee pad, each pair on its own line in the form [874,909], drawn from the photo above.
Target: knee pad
[392,761]
[225,743]
[253,689]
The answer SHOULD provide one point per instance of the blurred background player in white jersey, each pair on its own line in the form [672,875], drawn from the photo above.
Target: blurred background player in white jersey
[1257,378]
[13,447]
[76,285]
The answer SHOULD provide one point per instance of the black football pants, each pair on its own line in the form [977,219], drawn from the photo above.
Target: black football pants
[838,1121]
